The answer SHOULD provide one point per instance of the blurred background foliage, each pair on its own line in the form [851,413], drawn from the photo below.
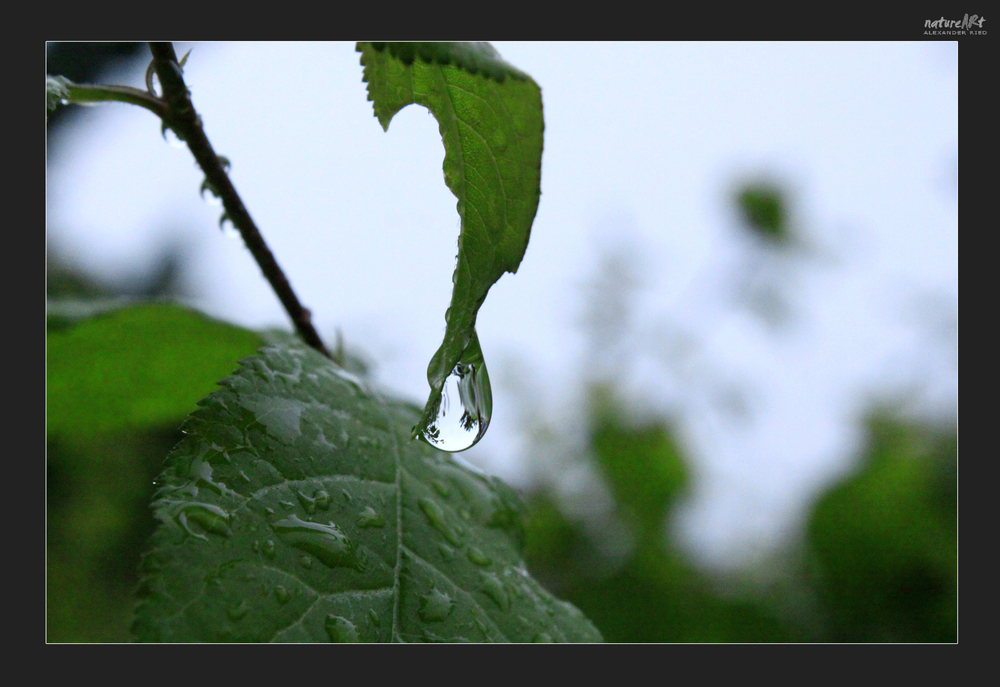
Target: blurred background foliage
[875,562]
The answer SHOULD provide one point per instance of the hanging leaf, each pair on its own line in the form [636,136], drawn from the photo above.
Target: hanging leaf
[490,117]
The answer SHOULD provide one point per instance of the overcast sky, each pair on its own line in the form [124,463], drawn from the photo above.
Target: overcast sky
[765,361]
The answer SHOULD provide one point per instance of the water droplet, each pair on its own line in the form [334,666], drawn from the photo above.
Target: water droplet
[200,473]
[322,499]
[328,543]
[493,588]
[307,562]
[435,516]
[369,518]
[288,505]
[441,488]
[237,612]
[230,232]
[373,617]
[207,516]
[282,594]
[464,408]
[214,197]
[152,81]
[255,547]
[435,606]
[542,638]
[341,630]
[268,548]
[446,552]
[171,137]
[346,494]
[308,503]
[477,556]
[358,386]
[482,628]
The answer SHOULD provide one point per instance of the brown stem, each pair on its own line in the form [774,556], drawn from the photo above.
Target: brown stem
[182,118]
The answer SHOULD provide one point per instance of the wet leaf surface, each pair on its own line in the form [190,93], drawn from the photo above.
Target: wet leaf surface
[297,509]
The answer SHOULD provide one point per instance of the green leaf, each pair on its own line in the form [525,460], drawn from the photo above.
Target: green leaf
[763,208]
[139,366]
[490,117]
[296,509]
[884,542]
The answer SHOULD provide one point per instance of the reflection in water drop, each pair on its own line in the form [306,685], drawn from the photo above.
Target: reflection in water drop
[465,408]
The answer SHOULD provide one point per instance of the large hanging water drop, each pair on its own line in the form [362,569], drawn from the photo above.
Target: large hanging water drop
[465,407]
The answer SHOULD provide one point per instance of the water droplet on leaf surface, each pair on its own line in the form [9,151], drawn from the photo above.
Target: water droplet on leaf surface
[341,630]
[237,612]
[282,594]
[369,517]
[435,606]
[209,517]
[477,556]
[328,543]
[493,588]
[436,519]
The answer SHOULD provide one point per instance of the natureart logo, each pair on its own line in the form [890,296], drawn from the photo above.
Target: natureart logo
[957,27]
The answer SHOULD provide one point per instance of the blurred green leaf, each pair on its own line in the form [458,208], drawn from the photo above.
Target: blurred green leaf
[139,366]
[98,522]
[885,540]
[643,467]
[120,379]
[762,207]
[651,593]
